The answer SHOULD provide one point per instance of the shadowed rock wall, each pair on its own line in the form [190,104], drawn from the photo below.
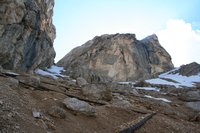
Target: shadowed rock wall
[26,34]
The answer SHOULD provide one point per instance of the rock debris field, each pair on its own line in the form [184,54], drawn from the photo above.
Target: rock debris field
[48,101]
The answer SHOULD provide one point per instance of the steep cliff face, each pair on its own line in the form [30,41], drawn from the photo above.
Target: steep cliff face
[119,57]
[26,34]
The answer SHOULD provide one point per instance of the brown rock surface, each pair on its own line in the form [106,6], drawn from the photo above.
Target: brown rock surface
[119,57]
[19,101]
[20,98]
[26,34]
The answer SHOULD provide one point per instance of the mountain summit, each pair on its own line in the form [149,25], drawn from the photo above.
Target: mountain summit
[118,57]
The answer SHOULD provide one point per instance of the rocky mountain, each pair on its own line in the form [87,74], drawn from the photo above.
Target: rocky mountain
[118,57]
[188,69]
[26,34]
[54,100]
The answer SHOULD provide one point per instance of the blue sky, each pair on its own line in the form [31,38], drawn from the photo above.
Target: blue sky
[78,21]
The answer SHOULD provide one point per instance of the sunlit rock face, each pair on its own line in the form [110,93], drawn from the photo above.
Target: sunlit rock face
[119,57]
[26,34]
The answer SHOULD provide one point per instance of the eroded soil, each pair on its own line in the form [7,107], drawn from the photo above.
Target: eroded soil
[19,98]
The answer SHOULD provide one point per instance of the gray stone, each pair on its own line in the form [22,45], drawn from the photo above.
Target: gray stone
[193,105]
[81,81]
[36,113]
[191,96]
[79,106]
[120,102]
[26,34]
[124,89]
[58,112]
[118,57]
[97,91]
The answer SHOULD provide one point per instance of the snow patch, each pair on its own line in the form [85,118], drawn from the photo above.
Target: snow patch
[148,88]
[160,99]
[162,82]
[53,71]
[126,83]
[73,80]
[181,80]
[45,73]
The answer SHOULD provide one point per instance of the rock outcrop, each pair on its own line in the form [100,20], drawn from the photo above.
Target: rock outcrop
[188,69]
[26,34]
[194,105]
[118,57]
[191,96]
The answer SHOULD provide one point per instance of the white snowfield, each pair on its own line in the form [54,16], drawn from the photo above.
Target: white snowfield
[53,71]
[180,80]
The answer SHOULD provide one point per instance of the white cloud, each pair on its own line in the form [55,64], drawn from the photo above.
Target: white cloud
[181,41]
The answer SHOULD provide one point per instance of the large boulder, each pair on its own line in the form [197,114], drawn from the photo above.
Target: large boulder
[81,81]
[97,92]
[79,106]
[191,96]
[26,34]
[118,57]
[120,102]
[194,105]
